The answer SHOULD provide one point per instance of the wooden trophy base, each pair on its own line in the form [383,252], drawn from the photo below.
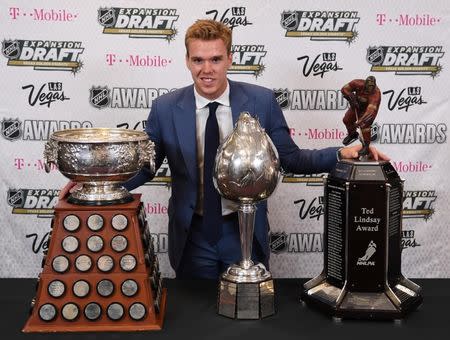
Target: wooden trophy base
[100,273]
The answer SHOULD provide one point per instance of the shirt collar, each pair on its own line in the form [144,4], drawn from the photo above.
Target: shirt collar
[223,99]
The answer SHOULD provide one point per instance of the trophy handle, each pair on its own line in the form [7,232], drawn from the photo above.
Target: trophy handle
[50,154]
[147,154]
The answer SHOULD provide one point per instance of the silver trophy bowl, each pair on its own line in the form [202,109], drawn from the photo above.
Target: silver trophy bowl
[100,159]
[247,170]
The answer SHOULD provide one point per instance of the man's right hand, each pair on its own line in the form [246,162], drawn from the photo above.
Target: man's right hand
[69,188]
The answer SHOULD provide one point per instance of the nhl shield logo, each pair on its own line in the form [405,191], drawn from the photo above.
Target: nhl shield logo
[11,129]
[375,55]
[99,96]
[278,242]
[15,198]
[374,132]
[289,20]
[106,17]
[282,97]
[10,49]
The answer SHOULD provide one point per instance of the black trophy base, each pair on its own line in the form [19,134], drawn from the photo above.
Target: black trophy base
[246,300]
[394,303]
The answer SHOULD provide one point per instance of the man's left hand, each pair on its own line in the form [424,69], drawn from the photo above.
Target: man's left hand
[352,152]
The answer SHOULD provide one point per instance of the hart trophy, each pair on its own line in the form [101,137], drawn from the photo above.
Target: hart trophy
[363,202]
[100,272]
[247,170]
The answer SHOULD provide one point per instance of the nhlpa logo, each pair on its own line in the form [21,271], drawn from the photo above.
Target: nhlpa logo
[278,242]
[282,97]
[106,17]
[99,96]
[370,251]
[11,49]
[289,20]
[11,129]
[15,198]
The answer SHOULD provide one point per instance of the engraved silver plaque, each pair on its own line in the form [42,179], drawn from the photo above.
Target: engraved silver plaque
[70,244]
[95,222]
[119,222]
[137,311]
[129,287]
[105,287]
[115,311]
[70,311]
[71,223]
[56,288]
[92,311]
[47,312]
[119,243]
[60,264]
[81,288]
[128,262]
[94,243]
[83,263]
[105,263]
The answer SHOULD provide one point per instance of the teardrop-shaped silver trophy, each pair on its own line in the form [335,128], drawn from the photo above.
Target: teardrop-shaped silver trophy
[246,171]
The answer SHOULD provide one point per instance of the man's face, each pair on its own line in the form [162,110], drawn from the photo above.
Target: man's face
[208,62]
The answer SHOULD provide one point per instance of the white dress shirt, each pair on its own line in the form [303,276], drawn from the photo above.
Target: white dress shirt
[225,121]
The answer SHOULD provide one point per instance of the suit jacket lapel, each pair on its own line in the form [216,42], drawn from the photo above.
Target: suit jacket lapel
[185,122]
[238,100]
[185,125]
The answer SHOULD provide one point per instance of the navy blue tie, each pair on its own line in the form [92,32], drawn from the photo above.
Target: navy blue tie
[212,206]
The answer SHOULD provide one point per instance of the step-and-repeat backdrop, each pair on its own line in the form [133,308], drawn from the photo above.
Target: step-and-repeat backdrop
[70,64]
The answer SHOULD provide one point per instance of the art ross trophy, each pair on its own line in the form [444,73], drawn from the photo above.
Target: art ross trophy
[100,272]
[247,171]
[363,201]
[100,159]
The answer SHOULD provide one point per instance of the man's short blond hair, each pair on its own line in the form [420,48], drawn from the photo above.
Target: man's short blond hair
[208,29]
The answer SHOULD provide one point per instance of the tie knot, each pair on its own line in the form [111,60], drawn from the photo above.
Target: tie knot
[213,107]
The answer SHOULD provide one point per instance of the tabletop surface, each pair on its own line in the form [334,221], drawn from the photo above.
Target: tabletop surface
[191,313]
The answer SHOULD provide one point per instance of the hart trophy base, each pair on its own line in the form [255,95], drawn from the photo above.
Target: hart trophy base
[246,300]
[362,277]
